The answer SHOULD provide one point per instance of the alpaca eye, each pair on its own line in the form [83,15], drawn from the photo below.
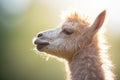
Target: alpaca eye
[67,31]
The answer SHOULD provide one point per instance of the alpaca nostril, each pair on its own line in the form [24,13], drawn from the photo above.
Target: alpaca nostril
[40,35]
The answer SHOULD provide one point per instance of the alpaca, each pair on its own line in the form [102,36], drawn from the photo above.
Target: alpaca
[80,44]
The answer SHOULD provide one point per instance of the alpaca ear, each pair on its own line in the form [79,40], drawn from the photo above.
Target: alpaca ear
[98,22]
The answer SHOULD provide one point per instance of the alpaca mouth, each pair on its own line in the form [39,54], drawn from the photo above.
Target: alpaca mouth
[41,45]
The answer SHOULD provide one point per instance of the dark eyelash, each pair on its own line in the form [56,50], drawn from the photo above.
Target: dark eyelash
[67,31]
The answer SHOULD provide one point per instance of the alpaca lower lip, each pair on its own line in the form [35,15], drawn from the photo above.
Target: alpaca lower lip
[41,45]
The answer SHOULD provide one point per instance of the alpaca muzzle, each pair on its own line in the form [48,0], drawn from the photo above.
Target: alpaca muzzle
[39,44]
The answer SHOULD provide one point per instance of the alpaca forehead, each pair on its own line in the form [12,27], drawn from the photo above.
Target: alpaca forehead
[75,17]
[75,25]
[76,22]
[72,25]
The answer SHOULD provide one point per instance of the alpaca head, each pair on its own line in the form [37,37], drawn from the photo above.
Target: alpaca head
[69,37]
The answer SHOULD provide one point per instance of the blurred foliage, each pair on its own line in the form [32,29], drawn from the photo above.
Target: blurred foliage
[18,61]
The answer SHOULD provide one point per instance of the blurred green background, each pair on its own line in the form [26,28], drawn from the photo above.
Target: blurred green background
[21,20]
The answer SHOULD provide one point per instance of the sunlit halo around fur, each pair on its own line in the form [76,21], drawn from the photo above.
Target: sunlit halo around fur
[75,15]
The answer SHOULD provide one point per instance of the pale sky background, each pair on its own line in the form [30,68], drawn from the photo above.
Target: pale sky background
[91,7]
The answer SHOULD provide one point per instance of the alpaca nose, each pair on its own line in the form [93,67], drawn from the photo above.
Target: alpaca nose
[40,35]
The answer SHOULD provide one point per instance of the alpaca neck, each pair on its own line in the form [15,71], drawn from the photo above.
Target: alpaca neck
[86,65]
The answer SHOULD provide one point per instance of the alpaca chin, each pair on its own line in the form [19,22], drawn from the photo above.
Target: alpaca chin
[40,47]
